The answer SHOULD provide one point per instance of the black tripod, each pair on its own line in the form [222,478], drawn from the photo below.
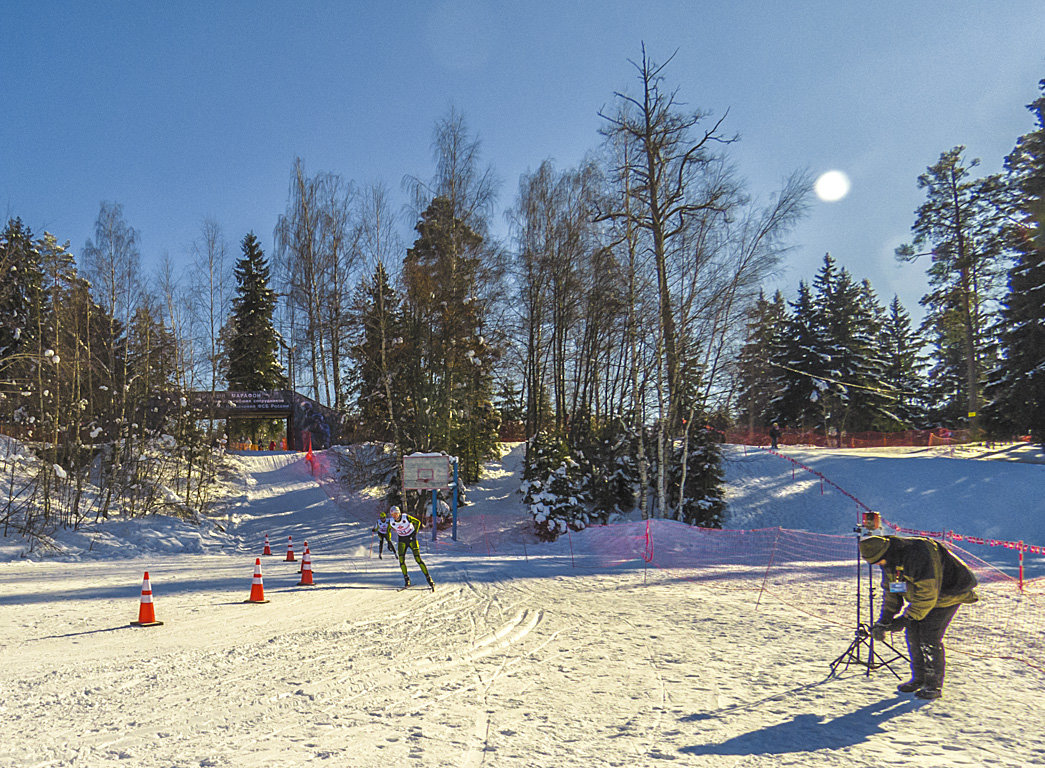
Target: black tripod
[863,635]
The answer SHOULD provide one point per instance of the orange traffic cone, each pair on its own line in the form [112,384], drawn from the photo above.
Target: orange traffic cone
[146,611]
[306,569]
[290,550]
[301,567]
[257,589]
[268,549]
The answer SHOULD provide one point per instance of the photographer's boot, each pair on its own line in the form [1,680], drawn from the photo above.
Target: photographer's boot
[911,685]
[918,674]
[932,686]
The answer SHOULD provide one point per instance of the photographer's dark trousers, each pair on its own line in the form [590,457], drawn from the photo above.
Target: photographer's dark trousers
[925,645]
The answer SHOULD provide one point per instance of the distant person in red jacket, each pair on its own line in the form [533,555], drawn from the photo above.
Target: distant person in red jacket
[272,445]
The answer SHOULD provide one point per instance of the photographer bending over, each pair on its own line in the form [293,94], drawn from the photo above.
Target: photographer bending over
[932,582]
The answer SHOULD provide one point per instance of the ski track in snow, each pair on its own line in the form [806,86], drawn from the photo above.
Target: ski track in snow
[518,658]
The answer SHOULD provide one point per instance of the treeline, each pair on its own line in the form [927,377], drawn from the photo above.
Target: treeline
[83,356]
[621,315]
[835,359]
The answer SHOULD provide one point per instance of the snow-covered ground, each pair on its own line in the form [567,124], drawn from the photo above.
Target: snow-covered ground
[527,654]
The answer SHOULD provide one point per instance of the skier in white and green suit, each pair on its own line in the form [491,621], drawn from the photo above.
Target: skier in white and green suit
[406,528]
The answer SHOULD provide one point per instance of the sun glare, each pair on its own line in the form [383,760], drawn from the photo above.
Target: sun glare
[832,186]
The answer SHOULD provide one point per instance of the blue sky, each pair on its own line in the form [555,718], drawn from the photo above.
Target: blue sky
[188,110]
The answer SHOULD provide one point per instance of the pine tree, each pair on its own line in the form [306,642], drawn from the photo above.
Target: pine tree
[867,363]
[252,344]
[758,378]
[21,275]
[701,502]
[803,361]
[901,347]
[378,364]
[451,363]
[947,386]
[835,300]
[1018,389]
[960,227]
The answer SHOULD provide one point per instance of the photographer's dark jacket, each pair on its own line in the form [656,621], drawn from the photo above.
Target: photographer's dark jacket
[927,576]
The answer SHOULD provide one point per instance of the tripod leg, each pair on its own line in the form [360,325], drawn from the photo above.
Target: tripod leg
[884,662]
[851,655]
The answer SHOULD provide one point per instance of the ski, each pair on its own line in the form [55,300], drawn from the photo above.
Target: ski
[431,587]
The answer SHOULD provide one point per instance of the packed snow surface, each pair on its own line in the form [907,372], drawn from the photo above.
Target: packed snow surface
[527,654]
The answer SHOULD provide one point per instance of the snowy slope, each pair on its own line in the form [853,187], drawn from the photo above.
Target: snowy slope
[996,493]
[524,656]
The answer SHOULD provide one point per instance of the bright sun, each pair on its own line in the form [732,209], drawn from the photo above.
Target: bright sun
[832,186]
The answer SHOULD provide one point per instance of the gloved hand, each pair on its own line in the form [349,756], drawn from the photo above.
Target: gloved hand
[900,622]
[879,629]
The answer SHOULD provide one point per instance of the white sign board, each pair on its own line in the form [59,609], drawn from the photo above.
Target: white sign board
[424,471]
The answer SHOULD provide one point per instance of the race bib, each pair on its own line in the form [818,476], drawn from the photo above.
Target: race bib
[403,528]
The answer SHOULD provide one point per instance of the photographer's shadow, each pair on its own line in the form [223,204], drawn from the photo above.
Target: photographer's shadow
[809,732]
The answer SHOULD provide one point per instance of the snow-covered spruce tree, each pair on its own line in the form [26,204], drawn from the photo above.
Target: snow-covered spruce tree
[759,379]
[553,487]
[1017,390]
[251,344]
[701,502]
[901,347]
[561,503]
[20,279]
[802,364]
[377,355]
[614,471]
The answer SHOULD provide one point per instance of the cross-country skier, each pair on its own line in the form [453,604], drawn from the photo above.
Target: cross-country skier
[383,535]
[406,528]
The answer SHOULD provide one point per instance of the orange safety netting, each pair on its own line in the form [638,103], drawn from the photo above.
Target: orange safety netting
[813,573]
[907,438]
[817,574]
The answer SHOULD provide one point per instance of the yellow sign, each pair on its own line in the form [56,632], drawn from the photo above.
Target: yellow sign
[972,414]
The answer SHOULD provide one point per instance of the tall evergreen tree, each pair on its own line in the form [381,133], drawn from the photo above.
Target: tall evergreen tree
[697,492]
[450,362]
[21,275]
[865,363]
[1018,389]
[758,377]
[252,344]
[901,347]
[960,227]
[802,364]
[378,364]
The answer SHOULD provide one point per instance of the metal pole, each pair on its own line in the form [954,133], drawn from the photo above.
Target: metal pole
[435,509]
[858,580]
[1021,566]
[453,502]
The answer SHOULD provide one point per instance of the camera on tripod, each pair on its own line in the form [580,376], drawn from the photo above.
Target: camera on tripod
[870,523]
